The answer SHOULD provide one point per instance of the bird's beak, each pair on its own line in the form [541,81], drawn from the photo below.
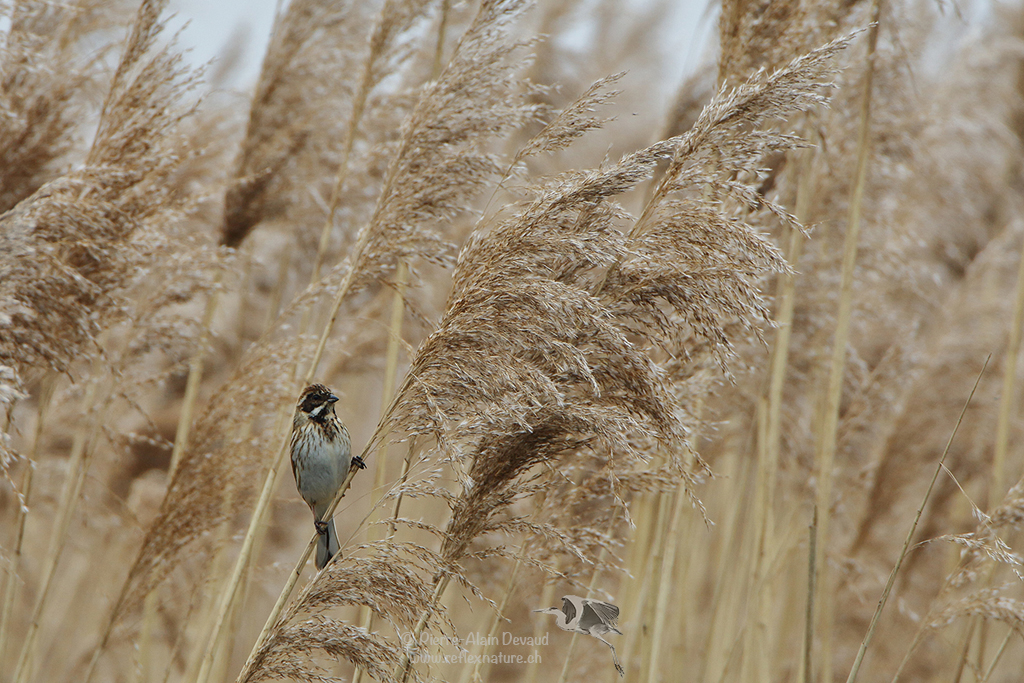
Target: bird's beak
[332,399]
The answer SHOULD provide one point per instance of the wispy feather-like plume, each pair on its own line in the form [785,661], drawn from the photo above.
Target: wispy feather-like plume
[536,356]
[66,250]
[41,89]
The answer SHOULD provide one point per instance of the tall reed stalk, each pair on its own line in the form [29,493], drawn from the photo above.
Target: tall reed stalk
[25,493]
[82,449]
[829,420]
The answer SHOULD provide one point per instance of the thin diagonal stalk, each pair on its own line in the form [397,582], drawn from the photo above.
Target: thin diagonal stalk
[229,592]
[366,84]
[910,536]
[483,649]
[218,576]
[390,374]
[402,477]
[81,451]
[405,667]
[10,585]
[922,629]
[263,503]
[998,655]
[195,376]
[293,578]
[392,530]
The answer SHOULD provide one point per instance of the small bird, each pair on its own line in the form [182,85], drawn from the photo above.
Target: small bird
[589,617]
[321,458]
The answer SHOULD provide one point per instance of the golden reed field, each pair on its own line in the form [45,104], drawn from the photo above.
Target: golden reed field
[738,355]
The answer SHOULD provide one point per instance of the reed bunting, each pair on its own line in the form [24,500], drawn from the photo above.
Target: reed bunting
[321,457]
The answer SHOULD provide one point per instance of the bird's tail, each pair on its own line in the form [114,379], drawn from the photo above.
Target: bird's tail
[326,545]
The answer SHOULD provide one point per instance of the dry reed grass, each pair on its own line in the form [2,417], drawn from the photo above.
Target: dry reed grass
[612,354]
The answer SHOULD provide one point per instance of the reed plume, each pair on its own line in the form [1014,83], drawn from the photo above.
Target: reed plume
[45,79]
[292,141]
[68,250]
[585,319]
[535,358]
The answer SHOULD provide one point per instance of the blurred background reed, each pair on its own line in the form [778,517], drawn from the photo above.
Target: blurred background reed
[709,350]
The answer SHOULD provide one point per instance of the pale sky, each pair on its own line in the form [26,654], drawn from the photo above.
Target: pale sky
[213,24]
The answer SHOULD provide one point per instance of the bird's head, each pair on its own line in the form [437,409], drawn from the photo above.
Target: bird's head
[550,610]
[317,402]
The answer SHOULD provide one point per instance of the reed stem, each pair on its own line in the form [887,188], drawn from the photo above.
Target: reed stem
[405,667]
[910,536]
[829,424]
[10,583]
[81,452]
[666,585]
[480,671]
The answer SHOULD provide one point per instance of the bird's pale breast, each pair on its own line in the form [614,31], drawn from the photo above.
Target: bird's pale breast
[320,465]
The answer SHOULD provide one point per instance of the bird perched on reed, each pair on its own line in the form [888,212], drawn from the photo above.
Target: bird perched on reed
[589,617]
[321,458]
